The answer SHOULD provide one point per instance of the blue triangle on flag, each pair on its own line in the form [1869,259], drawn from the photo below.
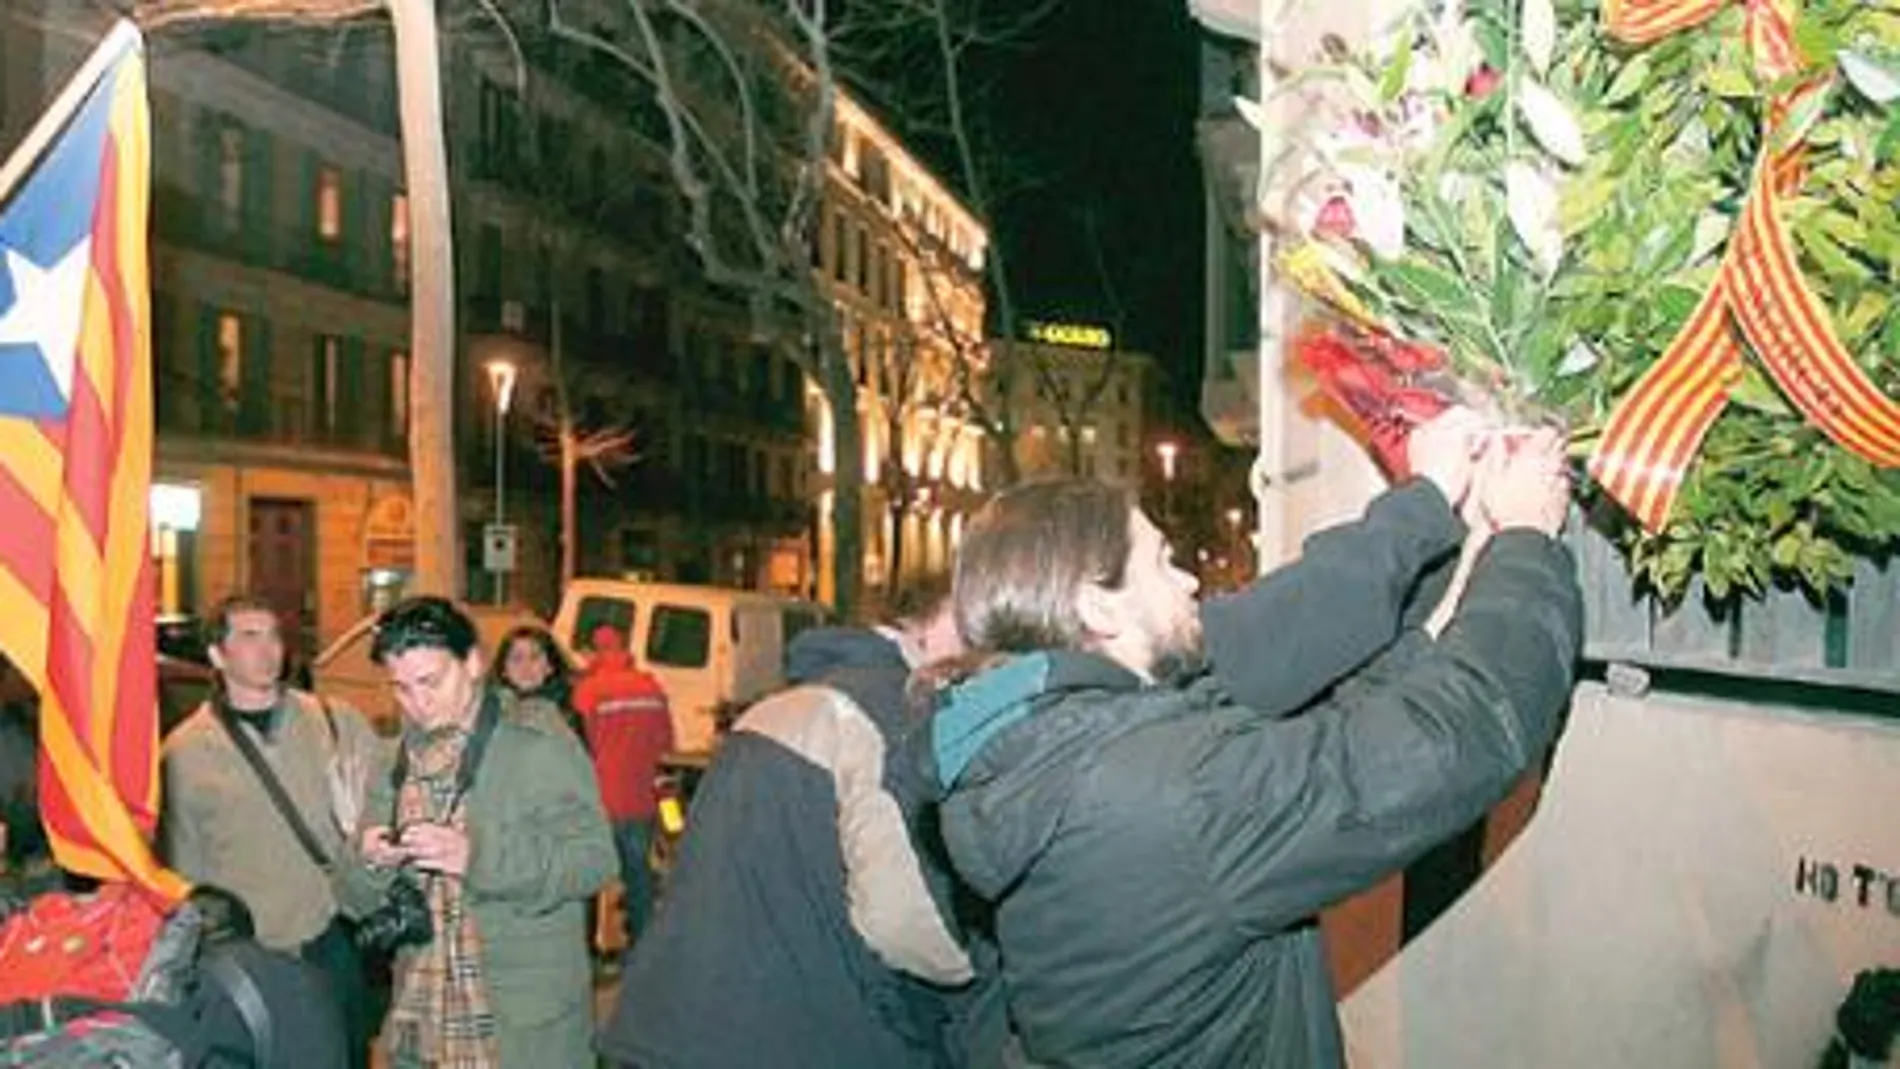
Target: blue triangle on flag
[27,388]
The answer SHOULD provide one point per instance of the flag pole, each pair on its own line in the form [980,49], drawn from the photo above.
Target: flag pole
[53,120]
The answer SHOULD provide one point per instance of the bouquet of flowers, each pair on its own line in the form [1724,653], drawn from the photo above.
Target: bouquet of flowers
[1670,225]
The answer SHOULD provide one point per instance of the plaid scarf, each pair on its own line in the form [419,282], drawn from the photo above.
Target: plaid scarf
[442,1018]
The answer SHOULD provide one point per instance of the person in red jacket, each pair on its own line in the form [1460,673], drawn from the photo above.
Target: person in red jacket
[629,728]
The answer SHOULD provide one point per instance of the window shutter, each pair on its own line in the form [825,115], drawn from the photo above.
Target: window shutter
[306,214]
[205,382]
[259,394]
[351,413]
[258,184]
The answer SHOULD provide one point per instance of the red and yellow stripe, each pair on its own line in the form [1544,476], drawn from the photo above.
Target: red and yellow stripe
[77,576]
[1656,429]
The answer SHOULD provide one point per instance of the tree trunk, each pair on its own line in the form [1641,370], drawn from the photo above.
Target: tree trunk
[847,540]
[1009,467]
[570,457]
[431,299]
[896,563]
[570,515]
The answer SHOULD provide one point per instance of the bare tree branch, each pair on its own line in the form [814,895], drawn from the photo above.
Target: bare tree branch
[514,44]
[750,178]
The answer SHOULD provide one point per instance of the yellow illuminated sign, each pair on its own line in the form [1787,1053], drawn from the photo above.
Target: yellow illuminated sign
[1075,335]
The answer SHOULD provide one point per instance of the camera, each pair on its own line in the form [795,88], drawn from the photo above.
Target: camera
[402,920]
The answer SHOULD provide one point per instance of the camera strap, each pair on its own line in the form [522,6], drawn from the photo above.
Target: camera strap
[486,720]
[279,798]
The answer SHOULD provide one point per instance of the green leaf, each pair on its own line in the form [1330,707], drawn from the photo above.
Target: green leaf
[1397,71]
[1866,313]
[1801,117]
[1834,260]
[1827,133]
[1841,226]
[1780,512]
[1887,149]
[1816,42]
[1729,82]
[1505,283]
[1674,305]
[1429,288]
[1754,391]
[1585,200]
[1787,550]
[1493,42]
[1628,82]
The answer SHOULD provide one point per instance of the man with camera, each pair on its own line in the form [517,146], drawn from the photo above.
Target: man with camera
[262,786]
[478,852]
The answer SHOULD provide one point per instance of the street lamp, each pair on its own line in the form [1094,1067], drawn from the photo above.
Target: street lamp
[501,376]
[1168,451]
[1235,517]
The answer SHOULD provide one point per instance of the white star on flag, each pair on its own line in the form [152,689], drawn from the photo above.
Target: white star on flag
[48,305]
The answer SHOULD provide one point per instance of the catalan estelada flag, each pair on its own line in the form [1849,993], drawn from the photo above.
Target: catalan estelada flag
[76,583]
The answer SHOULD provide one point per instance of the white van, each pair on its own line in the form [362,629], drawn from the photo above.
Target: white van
[710,647]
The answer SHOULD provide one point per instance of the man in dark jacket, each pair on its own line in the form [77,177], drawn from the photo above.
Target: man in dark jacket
[1157,839]
[798,929]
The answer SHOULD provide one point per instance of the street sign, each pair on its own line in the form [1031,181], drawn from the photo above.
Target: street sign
[498,547]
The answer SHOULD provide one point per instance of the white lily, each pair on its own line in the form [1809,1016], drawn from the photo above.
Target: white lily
[1457,47]
[1579,359]
[1550,121]
[1378,203]
[1711,230]
[1875,81]
[1537,32]
[1530,198]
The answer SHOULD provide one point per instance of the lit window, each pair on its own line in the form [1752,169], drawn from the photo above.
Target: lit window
[329,203]
[329,382]
[399,240]
[231,176]
[230,359]
[399,395]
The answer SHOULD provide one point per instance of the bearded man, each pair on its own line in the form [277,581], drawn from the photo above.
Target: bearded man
[1151,797]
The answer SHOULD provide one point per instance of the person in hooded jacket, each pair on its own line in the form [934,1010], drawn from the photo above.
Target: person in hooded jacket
[1156,837]
[800,929]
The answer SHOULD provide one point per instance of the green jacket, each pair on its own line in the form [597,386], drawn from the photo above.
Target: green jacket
[539,848]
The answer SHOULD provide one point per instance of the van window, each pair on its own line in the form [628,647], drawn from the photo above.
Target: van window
[679,637]
[593,612]
[795,621]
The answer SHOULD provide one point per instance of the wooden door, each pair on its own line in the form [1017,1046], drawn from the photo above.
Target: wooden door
[283,556]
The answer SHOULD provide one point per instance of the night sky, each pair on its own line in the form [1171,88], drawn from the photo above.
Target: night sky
[1092,113]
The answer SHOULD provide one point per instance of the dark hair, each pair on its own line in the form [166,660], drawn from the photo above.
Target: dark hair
[225,915]
[422,623]
[1026,556]
[559,671]
[19,786]
[912,600]
[217,626]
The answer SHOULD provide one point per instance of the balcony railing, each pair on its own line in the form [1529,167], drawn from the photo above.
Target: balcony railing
[192,222]
[643,357]
[186,407]
[344,82]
